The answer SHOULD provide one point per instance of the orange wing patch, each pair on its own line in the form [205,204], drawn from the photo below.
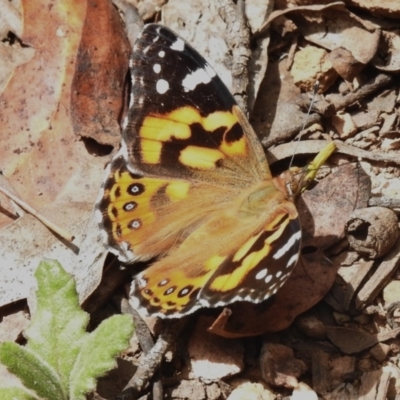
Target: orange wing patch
[130,201]
[248,258]
[222,127]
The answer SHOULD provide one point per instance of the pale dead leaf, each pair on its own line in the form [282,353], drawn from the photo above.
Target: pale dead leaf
[337,27]
[11,17]
[42,154]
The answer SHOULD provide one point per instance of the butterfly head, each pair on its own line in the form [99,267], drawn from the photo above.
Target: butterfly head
[296,180]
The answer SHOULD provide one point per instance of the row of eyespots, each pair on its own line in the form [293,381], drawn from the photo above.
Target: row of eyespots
[183,292]
[135,189]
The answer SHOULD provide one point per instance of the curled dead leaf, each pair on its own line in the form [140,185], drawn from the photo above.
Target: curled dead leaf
[372,231]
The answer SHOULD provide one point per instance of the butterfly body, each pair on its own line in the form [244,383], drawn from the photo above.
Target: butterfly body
[191,186]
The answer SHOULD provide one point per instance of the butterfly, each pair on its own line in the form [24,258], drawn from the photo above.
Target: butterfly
[191,187]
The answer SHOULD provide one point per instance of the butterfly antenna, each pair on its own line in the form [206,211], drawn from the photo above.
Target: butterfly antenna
[316,87]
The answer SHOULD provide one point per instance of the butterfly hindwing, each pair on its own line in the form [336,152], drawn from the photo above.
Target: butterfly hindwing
[259,268]
[239,265]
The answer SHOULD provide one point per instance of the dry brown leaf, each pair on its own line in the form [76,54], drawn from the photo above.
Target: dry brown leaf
[386,8]
[337,27]
[43,155]
[388,56]
[100,74]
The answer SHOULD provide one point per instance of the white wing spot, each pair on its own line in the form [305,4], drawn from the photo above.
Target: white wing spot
[141,282]
[131,99]
[162,86]
[157,68]
[292,260]
[161,53]
[155,39]
[262,274]
[289,244]
[125,122]
[178,45]
[268,279]
[126,252]
[278,274]
[195,78]
[124,149]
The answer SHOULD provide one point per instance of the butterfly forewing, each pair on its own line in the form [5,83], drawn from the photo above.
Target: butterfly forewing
[182,119]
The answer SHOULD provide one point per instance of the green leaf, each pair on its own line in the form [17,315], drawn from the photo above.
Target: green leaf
[12,393]
[97,355]
[61,359]
[34,372]
[58,326]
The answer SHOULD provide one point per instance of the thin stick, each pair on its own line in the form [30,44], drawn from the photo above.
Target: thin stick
[59,231]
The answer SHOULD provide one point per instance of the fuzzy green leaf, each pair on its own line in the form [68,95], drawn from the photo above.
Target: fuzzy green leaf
[58,326]
[12,393]
[97,355]
[61,360]
[33,371]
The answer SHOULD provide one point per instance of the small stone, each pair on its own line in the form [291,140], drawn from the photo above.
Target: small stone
[213,357]
[303,392]
[391,293]
[279,367]
[251,391]
[213,391]
[187,390]
[395,346]
[344,125]
[364,365]
[380,351]
[362,319]
[340,367]
[311,327]
[341,318]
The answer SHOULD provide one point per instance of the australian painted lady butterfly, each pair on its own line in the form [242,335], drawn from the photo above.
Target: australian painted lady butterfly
[192,187]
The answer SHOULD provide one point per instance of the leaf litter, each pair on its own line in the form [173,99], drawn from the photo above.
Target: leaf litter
[60,113]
